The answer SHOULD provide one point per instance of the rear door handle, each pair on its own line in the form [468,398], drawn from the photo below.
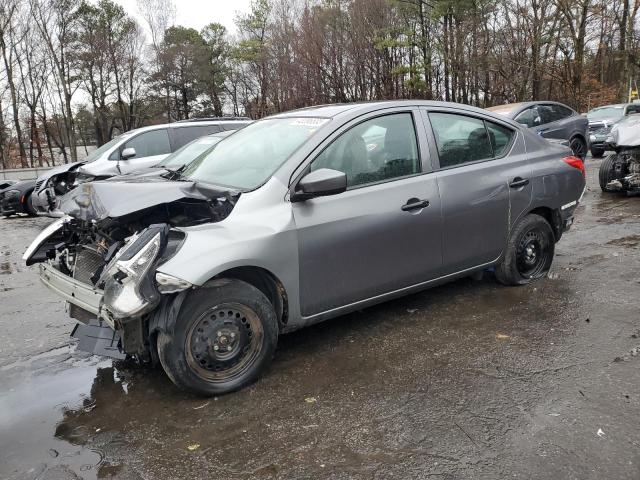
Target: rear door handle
[414,204]
[519,182]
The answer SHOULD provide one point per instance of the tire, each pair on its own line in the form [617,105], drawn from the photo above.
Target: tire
[607,172]
[578,147]
[597,152]
[529,252]
[28,206]
[230,314]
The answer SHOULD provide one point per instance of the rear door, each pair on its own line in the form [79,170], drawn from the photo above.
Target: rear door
[383,233]
[484,182]
[180,136]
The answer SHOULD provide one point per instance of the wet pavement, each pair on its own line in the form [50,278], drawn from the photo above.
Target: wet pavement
[468,380]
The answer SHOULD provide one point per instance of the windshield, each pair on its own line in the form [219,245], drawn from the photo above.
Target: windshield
[98,152]
[250,156]
[188,153]
[605,112]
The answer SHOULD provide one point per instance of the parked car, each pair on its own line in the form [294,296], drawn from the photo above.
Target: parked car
[6,183]
[620,172]
[130,152]
[602,120]
[182,157]
[550,120]
[301,217]
[16,198]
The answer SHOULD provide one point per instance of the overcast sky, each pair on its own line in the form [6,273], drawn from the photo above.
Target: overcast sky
[198,13]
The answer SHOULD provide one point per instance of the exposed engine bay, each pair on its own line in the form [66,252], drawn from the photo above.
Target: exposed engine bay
[624,171]
[110,243]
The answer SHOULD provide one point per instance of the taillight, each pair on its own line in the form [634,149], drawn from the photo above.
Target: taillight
[575,162]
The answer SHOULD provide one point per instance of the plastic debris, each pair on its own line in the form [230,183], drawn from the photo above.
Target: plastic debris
[600,433]
[502,336]
[193,447]
[310,400]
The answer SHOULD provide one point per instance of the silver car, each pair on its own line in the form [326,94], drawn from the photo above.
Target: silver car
[298,218]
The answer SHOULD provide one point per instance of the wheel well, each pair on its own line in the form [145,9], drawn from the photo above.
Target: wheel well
[553,217]
[267,283]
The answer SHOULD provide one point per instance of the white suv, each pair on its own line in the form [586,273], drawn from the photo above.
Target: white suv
[132,151]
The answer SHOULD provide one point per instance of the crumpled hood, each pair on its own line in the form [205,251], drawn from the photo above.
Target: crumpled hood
[43,179]
[96,201]
[626,133]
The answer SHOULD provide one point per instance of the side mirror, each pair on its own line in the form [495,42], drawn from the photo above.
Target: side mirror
[128,153]
[320,183]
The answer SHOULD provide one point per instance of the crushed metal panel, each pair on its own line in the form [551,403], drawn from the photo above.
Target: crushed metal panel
[98,338]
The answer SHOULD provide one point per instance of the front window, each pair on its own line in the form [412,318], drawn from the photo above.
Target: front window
[98,152]
[250,156]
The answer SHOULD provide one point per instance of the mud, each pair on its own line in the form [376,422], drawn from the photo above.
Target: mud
[468,380]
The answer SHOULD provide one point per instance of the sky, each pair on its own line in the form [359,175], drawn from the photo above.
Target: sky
[198,13]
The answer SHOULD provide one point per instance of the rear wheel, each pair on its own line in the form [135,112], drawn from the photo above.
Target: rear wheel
[597,152]
[224,338]
[529,252]
[607,172]
[579,147]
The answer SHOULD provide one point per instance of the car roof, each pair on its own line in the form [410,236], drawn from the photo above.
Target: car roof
[356,108]
[512,109]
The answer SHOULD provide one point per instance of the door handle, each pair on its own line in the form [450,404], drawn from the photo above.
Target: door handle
[414,204]
[519,182]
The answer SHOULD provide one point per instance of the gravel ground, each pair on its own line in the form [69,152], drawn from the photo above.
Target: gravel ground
[468,380]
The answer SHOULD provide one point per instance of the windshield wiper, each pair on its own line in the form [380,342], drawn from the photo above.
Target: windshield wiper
[174,174]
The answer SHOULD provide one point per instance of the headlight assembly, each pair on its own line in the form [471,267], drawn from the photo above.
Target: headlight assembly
[129,286]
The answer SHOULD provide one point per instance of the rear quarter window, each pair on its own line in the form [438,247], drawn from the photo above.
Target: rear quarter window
[180,136]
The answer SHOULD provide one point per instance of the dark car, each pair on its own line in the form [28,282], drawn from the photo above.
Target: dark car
[601,120]
[6,183]
[550,120]
[16,198]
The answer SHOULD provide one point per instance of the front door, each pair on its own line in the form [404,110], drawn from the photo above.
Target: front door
[383,233]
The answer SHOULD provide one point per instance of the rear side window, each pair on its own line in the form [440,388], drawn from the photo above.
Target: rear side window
[632,109]
[148,144]
[562,111]
[461,139]
[374,151]
[183,135]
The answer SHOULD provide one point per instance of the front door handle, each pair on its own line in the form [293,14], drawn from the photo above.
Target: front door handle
[519,182]
[414,204]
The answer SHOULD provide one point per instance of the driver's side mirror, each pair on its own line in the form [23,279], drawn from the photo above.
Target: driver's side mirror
[128,153]
[320,183]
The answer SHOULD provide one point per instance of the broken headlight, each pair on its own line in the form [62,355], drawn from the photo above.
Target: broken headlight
[129,287]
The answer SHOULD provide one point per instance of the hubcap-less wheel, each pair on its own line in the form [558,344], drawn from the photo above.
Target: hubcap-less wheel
[224,342]
[578,147]
[532,254]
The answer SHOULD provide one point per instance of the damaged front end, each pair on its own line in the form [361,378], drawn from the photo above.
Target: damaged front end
[102,256]
[624,171]
[55,183]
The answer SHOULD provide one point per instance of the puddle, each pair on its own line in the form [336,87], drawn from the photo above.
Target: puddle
[34,439]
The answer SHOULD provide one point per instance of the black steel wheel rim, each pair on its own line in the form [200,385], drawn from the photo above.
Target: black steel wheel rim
[532,254]
[578,147]
[224,342]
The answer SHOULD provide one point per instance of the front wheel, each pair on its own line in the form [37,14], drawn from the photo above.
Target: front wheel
[597,152]
[608,172]
[224,338]
[529,252]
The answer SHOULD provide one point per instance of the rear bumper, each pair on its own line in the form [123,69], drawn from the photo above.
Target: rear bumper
[73,291]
